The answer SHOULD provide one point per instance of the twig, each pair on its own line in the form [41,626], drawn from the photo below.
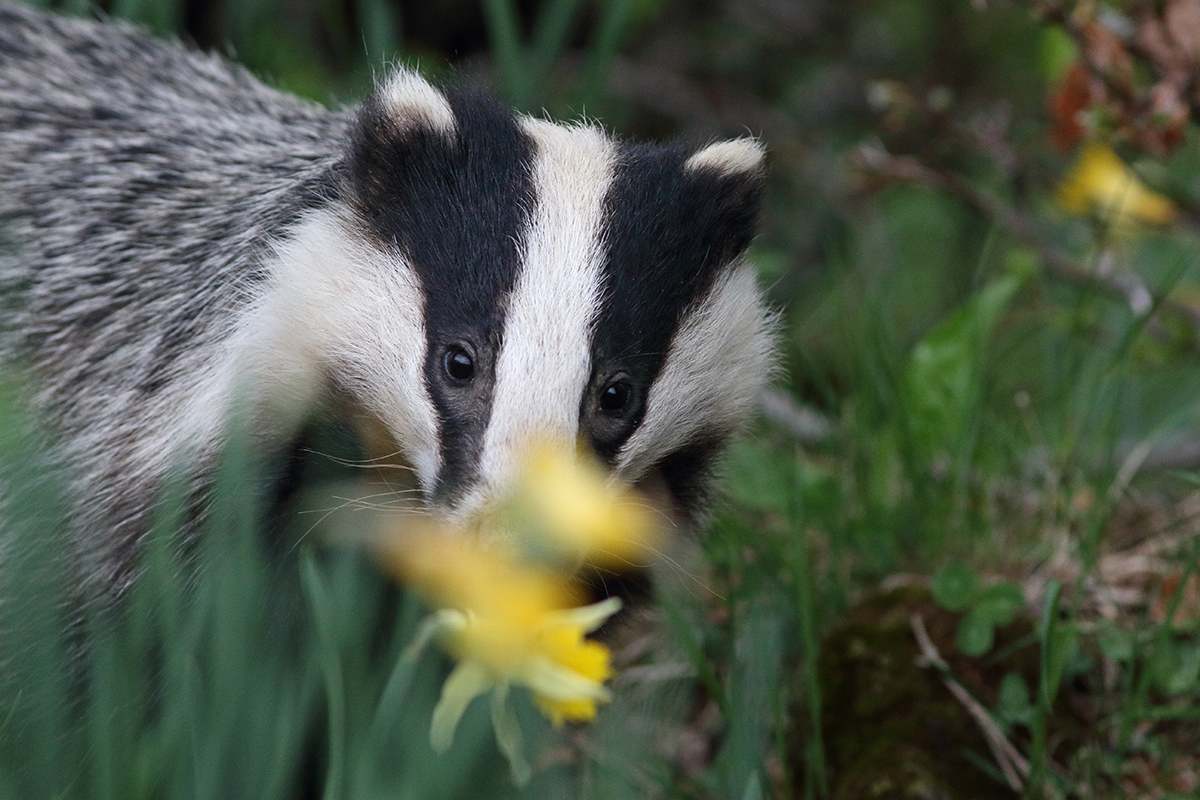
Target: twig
[808,425]
[1011,762]
[1061,15]
[906,169]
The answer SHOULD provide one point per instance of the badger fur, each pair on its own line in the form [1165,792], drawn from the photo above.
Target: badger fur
[172,230]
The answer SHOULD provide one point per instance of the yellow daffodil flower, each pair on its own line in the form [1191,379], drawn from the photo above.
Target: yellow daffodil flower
[551,657]
[508,612]
[521,636]
[1101,184]
[507,623]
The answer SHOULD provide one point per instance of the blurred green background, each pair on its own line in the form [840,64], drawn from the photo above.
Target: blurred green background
[978,469]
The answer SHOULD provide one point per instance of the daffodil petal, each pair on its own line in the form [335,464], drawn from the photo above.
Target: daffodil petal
[1101,183]
[588,618]
[559,683]
[508,736]
[468,680]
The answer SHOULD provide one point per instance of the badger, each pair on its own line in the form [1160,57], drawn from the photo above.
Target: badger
[454,276]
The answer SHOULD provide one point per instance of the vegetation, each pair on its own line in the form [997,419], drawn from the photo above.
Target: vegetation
[958,556]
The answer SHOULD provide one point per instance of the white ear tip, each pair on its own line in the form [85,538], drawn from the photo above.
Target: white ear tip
[734,157]
[410,99]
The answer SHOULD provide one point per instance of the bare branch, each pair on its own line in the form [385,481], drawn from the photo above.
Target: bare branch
[883,166]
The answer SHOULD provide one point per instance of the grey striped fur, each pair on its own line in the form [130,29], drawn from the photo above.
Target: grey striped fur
[172,231]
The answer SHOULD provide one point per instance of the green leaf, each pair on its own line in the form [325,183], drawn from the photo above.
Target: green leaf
[1000,603]
[753,788]
[1058,642]
[1177,667]
[1057,52]
[380,30]
[1022,263]
[1012,704]
[940,382]
[955,586]
[758,478]
[975,633]
[1114,643]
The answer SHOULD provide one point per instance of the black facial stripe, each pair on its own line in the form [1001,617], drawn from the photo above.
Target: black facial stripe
[457,208]
[688,473]
[670,232]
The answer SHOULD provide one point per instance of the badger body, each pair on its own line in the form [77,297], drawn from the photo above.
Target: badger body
[175,235]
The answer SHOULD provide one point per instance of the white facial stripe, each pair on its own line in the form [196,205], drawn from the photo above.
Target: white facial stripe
[409,99]
[545,360]
[718,360]
[339,306]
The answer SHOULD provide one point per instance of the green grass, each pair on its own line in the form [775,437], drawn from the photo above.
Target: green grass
[988,419]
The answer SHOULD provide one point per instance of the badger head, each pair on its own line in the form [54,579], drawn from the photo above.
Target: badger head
[481,279]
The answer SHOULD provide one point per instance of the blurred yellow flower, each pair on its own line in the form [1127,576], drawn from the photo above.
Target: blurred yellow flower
[507,623]
[508,610]
[1101,184]
[550,656]
[453,571]
[567,500]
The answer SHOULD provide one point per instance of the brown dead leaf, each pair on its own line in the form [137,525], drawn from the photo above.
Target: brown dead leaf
[1107,55]
[1189,603]
[1079,91]
[1182,18]
[1167,118]
[1153,115]
[1170,41]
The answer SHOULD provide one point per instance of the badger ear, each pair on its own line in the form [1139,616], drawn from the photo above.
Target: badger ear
[725,186]
[404,128]
[735,158]
[407,101]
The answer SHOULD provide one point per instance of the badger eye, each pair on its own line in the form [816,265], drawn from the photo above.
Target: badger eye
[616,396]
[458,364]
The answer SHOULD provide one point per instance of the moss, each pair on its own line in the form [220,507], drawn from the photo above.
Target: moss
[891,728]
